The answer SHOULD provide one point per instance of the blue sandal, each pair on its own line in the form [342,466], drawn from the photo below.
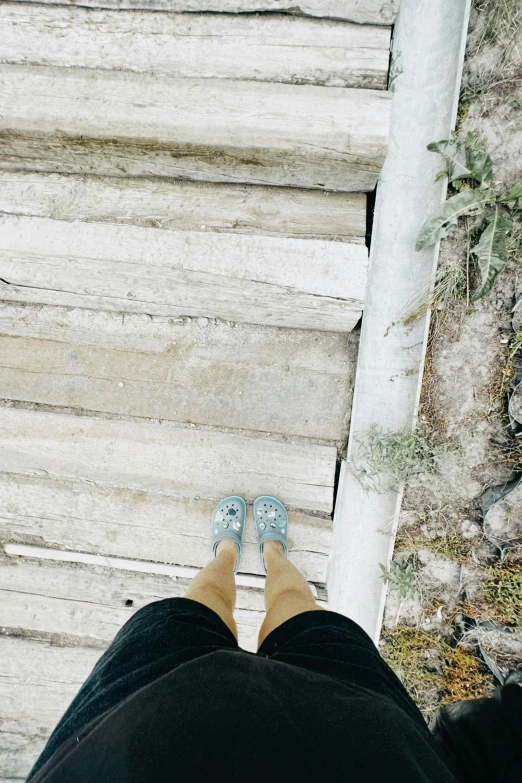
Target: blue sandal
[271,524]
[228,524]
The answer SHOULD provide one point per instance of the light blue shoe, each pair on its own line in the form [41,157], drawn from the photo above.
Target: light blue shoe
[228,524]
[271,524]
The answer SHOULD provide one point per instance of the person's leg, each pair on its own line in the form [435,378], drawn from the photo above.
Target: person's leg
[215,585]
[286,590]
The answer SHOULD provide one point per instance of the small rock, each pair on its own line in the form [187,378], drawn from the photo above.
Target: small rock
[121,384]
[469,529]
[202,322]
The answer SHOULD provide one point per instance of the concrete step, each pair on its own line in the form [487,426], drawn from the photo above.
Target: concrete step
[38,681]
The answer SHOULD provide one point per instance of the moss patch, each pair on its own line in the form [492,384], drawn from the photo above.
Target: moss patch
[448,545]
[502,590]
[433,672]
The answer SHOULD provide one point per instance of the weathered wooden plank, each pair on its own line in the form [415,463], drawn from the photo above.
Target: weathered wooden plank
[187,206]
[91,602]
[362,11]
[262,48]
[37,683]
[216,130]
[178,462]
[287,349]
[192,381]
[138,525]
[258,279]
[123,564]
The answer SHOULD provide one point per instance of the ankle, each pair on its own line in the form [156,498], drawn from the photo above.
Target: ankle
[227,548]
[272,549]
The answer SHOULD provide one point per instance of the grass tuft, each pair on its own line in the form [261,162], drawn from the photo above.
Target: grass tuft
[448,287]
[395,457]
[448,545]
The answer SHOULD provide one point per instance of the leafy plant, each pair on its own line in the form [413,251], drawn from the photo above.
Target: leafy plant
[513,199]
[445,220]
[400,578]
[395,71]
[465,160]
[470,171]
[491,250]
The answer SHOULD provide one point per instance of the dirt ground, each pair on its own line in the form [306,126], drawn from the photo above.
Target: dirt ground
[462,618]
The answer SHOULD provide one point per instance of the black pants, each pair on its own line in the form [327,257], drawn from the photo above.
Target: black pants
[165,634]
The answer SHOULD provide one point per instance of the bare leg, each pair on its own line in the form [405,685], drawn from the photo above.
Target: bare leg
[286,590]
[215,585]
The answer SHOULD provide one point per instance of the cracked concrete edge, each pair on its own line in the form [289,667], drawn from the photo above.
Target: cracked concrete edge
[428,54]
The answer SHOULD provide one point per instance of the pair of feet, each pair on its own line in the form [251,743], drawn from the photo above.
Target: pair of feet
[229,522]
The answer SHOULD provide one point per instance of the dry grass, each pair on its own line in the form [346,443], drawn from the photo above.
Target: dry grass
[479,84]
[449,285]
[507,451]
[434,530]
[444,328]
[501,21]
[507,378]
[498,29]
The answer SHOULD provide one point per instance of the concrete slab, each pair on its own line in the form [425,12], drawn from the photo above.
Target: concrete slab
[428,53]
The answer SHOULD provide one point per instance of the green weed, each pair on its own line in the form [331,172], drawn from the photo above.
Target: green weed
[400,578]
[469,170]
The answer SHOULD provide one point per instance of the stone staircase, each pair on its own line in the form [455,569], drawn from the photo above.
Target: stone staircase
[182,263]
